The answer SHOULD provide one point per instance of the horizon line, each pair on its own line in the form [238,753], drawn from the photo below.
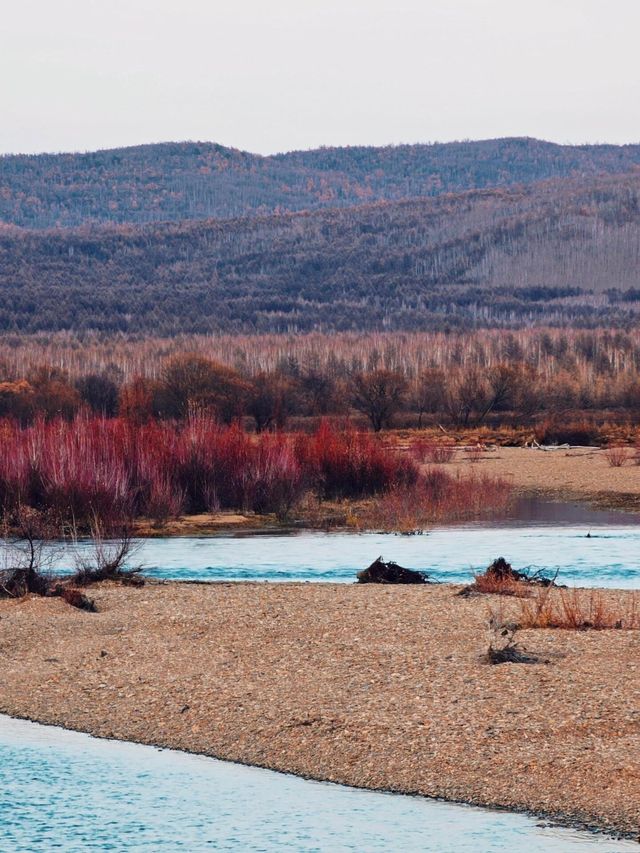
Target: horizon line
[323,147]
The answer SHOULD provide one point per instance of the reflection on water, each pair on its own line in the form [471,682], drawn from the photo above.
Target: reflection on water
[527,510]
[70,792]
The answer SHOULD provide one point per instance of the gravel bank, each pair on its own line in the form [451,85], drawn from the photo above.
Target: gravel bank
[379,687]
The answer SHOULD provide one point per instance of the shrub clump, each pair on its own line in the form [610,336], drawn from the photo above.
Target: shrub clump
[349,464]
[108,561]
[500,578]
[617,455]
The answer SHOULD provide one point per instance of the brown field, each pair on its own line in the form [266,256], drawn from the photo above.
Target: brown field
[379,687]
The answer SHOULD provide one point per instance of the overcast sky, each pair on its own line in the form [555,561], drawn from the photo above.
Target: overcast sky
[276,75]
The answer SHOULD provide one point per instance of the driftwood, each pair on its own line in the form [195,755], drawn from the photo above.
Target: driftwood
[503,647]
[501,570]
[535,446]
[381,572]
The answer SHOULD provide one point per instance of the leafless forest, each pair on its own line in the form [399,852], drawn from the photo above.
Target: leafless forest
[561,252]
[201,180]
[274,382]
[466,284]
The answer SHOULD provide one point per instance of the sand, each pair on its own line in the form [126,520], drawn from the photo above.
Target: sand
[379,687]
[581,474]
[202,524]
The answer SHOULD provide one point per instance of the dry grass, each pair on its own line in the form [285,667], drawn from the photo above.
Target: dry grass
[617,455]
[437,496]
[488,583]
[580,610]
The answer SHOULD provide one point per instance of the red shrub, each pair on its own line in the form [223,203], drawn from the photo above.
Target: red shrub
[617,455]
[276,480]
[439,453]
[77,469]
[213,464]
[94,467]
[349,464]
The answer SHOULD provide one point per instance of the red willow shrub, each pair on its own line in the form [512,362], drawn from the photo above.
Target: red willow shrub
[76,469]
[277,480]
[349,464]
[213,465]
[220,467]
[112,469]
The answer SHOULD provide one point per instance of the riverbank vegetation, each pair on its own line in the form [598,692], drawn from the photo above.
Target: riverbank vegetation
[117,469]
[27,558]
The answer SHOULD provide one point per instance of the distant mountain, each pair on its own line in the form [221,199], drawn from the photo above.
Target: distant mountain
[191,181]
[563,251]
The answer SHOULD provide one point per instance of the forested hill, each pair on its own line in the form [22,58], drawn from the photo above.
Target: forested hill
[180,181]
[565,251]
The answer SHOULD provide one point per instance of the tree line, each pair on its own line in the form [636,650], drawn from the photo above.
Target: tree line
[291,394]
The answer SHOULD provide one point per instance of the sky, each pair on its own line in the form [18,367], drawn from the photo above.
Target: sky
[277,75]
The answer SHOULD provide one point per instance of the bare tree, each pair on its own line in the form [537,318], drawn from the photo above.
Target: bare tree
[378,395]
[109,559]
[428,393]
[272,400]
[26,563]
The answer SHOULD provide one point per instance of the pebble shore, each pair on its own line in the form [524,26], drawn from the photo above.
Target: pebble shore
[378,687]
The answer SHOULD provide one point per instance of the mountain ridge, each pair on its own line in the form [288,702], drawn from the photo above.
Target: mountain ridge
[178,181]
[557,252]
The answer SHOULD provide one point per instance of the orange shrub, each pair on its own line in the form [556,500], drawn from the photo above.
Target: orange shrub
[617,455]
[579,609]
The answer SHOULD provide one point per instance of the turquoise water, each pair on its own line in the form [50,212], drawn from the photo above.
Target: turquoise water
[586,547]
[64,791]
[610,557]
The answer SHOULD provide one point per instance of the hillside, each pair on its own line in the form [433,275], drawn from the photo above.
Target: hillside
[557,252]
[180,181]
